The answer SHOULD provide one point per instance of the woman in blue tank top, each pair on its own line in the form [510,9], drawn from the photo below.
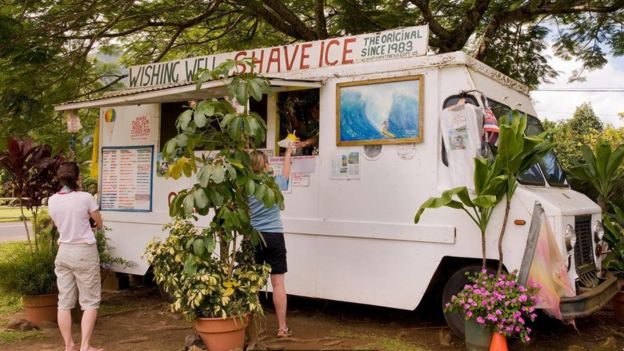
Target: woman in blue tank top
[268,222]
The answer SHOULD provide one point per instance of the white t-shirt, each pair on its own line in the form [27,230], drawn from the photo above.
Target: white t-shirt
[462,131]
[70,212]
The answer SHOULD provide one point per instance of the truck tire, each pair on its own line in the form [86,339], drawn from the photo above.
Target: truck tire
[456,282]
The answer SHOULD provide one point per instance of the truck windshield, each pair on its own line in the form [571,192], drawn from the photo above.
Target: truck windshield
[548,166]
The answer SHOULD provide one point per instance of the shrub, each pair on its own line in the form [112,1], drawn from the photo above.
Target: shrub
[27,273]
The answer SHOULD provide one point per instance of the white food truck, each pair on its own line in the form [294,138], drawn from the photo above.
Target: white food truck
[379,154]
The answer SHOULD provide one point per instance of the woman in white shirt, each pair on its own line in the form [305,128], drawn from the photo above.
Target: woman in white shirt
[77,264]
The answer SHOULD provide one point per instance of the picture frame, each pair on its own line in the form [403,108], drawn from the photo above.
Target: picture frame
[380,111]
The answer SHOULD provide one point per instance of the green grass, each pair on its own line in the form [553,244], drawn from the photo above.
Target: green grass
[12,214]
[9,303]
[380,342]
[9,337]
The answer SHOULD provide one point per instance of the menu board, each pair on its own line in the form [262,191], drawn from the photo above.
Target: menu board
[127,178]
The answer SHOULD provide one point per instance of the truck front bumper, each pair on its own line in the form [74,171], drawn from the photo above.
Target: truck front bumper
[590,301]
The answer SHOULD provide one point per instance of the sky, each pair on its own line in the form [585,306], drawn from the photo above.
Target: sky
[561,105]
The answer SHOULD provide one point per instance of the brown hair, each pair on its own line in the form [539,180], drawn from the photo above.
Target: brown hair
[67,174]
[258,160]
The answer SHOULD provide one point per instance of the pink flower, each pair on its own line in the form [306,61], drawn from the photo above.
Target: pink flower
[480,320]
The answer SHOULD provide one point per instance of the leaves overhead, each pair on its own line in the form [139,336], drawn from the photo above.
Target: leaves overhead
[59,51]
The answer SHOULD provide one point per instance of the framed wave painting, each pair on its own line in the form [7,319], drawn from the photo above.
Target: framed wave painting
[380,111]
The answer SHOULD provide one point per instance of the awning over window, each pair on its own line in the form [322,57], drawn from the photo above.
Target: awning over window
[180,92]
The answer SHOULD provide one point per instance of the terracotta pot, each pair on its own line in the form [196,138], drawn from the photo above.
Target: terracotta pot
[220,334]
[40,308]
[477,336]
[618,306]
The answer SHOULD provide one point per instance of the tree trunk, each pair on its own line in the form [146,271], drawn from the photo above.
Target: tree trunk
[502,234]
[35,229]
[25,224]
[483,257]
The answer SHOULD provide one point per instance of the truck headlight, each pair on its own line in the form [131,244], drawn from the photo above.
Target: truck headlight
[570,238]
[598,231]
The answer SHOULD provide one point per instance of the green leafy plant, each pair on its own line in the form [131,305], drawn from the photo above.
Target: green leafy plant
[212,145]
[28,273]
[602,169]
[614,237]
[488,192]
[516,153]
[495,180]
[201,284]
[107,260]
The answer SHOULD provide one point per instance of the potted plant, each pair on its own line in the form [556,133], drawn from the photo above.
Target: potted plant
[210,273]
[494,180]
[31,275]
[494,303]
[29,270]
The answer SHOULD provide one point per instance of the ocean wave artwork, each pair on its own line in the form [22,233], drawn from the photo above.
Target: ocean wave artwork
[381,112]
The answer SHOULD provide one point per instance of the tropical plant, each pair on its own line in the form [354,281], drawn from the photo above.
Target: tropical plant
[32,171]
[489,185]
[498,302]
[614,237]
[107,260]
[224,181]
[516,153]
[602,168]
[495,180]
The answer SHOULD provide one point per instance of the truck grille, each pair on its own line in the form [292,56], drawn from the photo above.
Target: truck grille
[584,252]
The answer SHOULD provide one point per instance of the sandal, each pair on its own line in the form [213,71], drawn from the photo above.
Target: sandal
[284,333]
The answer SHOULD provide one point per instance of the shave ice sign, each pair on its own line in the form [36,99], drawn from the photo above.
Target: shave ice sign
[386,45]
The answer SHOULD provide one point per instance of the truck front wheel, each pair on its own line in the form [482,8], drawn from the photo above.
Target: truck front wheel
[456,283]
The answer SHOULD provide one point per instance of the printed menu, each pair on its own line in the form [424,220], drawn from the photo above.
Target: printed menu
[126,178]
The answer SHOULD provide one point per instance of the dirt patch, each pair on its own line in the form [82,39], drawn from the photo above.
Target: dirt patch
[139,319]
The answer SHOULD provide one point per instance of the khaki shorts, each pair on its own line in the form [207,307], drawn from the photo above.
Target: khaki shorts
[77,268]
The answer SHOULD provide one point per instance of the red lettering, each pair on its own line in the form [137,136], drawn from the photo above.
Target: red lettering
[320,55]
[346,50]
[304,56]
[257,62]
[289,63]
[331,43]
[238,55]
[274,59]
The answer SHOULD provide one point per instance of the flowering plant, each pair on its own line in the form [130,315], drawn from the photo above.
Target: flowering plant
[498,302]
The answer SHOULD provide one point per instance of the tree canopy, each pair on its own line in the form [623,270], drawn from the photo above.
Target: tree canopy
[49,48]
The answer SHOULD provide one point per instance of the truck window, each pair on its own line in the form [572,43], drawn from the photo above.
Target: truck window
[299,113]
[548,165]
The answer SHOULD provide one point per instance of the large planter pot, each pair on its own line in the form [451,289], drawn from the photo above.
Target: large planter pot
[477,336]
[220,334]
[40,308]
[618,306]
